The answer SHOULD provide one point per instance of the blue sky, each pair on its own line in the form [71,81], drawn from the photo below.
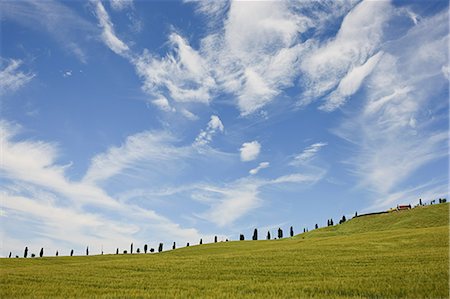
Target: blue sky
[147,122]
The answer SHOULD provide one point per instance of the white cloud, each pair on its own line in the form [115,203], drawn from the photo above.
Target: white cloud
[350,83]
[261,165]
[308,154]
[395,132]
[188,114]
[252,51]
[183,75]
[11,78]
[63,24]
[153,147]
[250,150]
[37,189]
[67,73]
[358,38]
[163,104]
[229,203]
[205,136]
[108,35]
[121,4]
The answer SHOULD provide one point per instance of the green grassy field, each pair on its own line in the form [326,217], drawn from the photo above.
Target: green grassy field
[401,254]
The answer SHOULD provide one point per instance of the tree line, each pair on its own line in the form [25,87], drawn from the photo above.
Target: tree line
[146,249]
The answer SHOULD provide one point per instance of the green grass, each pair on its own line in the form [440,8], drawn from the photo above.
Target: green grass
[403,254]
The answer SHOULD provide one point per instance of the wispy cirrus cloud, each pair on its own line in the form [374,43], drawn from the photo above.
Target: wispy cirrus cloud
[109,37]
[395,130]
[252,52]
[232,201]
[214,125]
[11,77]
[307,154]
[37,188]
[121,4]
[68,28]
[347,59]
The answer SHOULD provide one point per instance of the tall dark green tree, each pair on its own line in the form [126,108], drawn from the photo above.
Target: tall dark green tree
[25,253]
[117,250]
[71,252]
[317,226]
[201,241]
[57,253]
[268,235]
[131,249]
[255,235]
[215,239]
[174,246]
[10,253]
[280,233]
[87,250]
[291,232]
[420,201]
[160,248]
[187,245]
[145,248]
[41,253]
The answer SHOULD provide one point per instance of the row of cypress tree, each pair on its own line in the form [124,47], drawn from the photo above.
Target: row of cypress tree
[160,247]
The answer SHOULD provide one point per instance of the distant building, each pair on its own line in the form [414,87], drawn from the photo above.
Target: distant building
[403,207]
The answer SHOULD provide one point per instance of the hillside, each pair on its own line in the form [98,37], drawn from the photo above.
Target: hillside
[402,254]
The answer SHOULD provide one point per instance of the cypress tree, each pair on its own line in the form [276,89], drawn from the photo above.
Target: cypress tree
[160,248]
[71,252]
[187,245]
[117,251]
[10,254]
[420,201]
[280,233]
[304,230]
[215,239]
[87,250]
[201,241]
[268,235]
[292,231]
[317,226]
[41,253]
[56,252]
[241,237]
[131,249]
[145,248]
[255,235]
[331,222]
[25,253]
[173,246]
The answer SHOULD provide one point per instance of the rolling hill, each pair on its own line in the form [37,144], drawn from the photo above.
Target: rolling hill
[400,254]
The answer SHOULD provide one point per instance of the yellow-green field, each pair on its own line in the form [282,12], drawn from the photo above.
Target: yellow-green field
[401,254]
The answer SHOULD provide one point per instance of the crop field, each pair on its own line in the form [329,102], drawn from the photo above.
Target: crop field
[400,254]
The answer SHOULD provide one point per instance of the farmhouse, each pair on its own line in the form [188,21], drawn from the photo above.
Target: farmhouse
[403,207]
